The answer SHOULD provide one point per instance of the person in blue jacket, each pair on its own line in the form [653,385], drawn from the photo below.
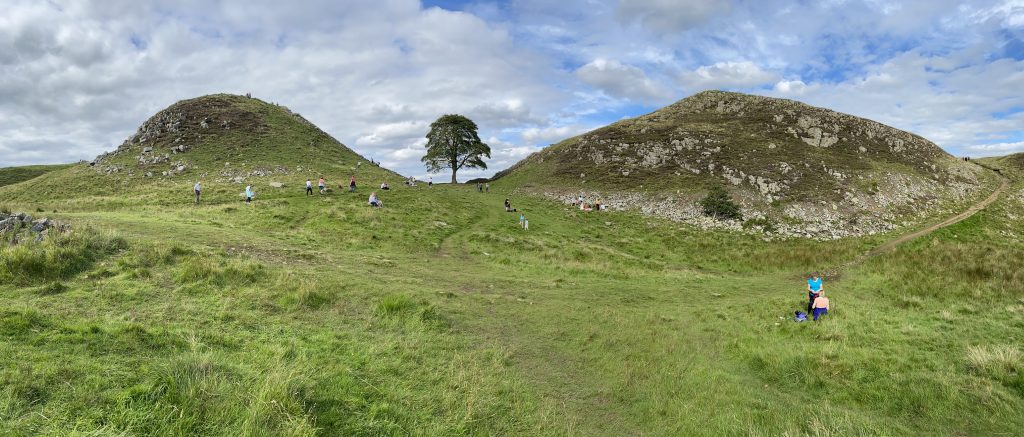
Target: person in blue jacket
[814,289]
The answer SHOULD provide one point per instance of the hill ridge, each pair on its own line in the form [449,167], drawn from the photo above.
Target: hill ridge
[781,159]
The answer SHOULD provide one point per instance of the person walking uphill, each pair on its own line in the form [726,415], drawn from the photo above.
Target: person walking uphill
[197,188]
[814,288]
[322,184]
[309,187]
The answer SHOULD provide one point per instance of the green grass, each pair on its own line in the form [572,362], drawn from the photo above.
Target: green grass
[437,315]
[13,175]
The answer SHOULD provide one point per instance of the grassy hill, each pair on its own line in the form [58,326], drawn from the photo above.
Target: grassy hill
[13,175]
[781,159]
[226,141]
[438,315]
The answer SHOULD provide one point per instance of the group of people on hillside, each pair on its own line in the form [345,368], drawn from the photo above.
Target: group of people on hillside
[321,185]
[483,187]
[582,203]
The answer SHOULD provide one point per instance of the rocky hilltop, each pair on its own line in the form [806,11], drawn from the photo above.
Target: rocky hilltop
[228,137]
[808,171]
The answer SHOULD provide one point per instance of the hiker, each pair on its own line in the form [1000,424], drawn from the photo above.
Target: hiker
[197,188]
[352,184]
[309,187]
[322,184]
[526,223]
[249,194]
[430,181]
[814,288]
[487,187]
[374,201]
[479,187]
[820,305]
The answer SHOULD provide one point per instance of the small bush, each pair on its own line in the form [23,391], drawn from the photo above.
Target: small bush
[766,225]
[719,205]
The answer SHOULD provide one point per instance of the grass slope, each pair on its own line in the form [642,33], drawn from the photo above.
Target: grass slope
[773,152]
[244,137]
[437,315]
[13,175]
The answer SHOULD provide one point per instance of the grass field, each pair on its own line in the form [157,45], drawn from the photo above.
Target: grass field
[13,175]
[438,315]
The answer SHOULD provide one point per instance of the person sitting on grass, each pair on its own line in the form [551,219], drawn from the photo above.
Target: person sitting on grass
[374,201]
[814,288]
[820,306]
[508,205]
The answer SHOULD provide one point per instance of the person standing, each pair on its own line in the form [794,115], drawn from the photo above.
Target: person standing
[814,288]
[487,187]
[249,194]
[322,184]
[430,181]
[197,188]
[309,187]
[352,184]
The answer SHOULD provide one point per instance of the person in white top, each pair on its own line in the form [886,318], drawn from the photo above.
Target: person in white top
[309,187]
[374,201]
[197,189]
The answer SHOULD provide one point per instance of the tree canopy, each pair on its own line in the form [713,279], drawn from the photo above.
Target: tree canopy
[453,143]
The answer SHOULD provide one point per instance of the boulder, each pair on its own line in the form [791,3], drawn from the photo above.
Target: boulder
[147,149]
[276,185]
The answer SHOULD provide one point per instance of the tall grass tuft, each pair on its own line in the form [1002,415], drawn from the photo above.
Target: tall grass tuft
[59,257]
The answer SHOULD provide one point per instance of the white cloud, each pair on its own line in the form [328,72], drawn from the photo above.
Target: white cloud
[729,75]
[622,81]
[996,149]
[670,16]
[551,134]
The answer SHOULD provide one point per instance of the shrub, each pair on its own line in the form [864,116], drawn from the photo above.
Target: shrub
[719,205]
[766,225]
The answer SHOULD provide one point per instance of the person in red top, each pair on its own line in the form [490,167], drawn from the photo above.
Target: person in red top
[322,184]
[352,184]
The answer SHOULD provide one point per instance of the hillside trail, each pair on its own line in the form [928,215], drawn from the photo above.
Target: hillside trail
[896,242]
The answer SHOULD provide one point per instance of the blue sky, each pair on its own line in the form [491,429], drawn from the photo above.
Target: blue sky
[77,77]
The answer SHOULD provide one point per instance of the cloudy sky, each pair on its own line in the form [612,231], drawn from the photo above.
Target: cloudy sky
[78,77]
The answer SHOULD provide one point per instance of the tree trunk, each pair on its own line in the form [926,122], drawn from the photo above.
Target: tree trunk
[453,176]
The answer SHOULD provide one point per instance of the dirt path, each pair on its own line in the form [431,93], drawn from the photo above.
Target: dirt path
[892,244]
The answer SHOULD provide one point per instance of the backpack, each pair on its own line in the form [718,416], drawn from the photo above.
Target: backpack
[800,316]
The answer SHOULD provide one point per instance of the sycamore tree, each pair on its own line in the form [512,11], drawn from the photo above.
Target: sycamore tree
[453,143]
